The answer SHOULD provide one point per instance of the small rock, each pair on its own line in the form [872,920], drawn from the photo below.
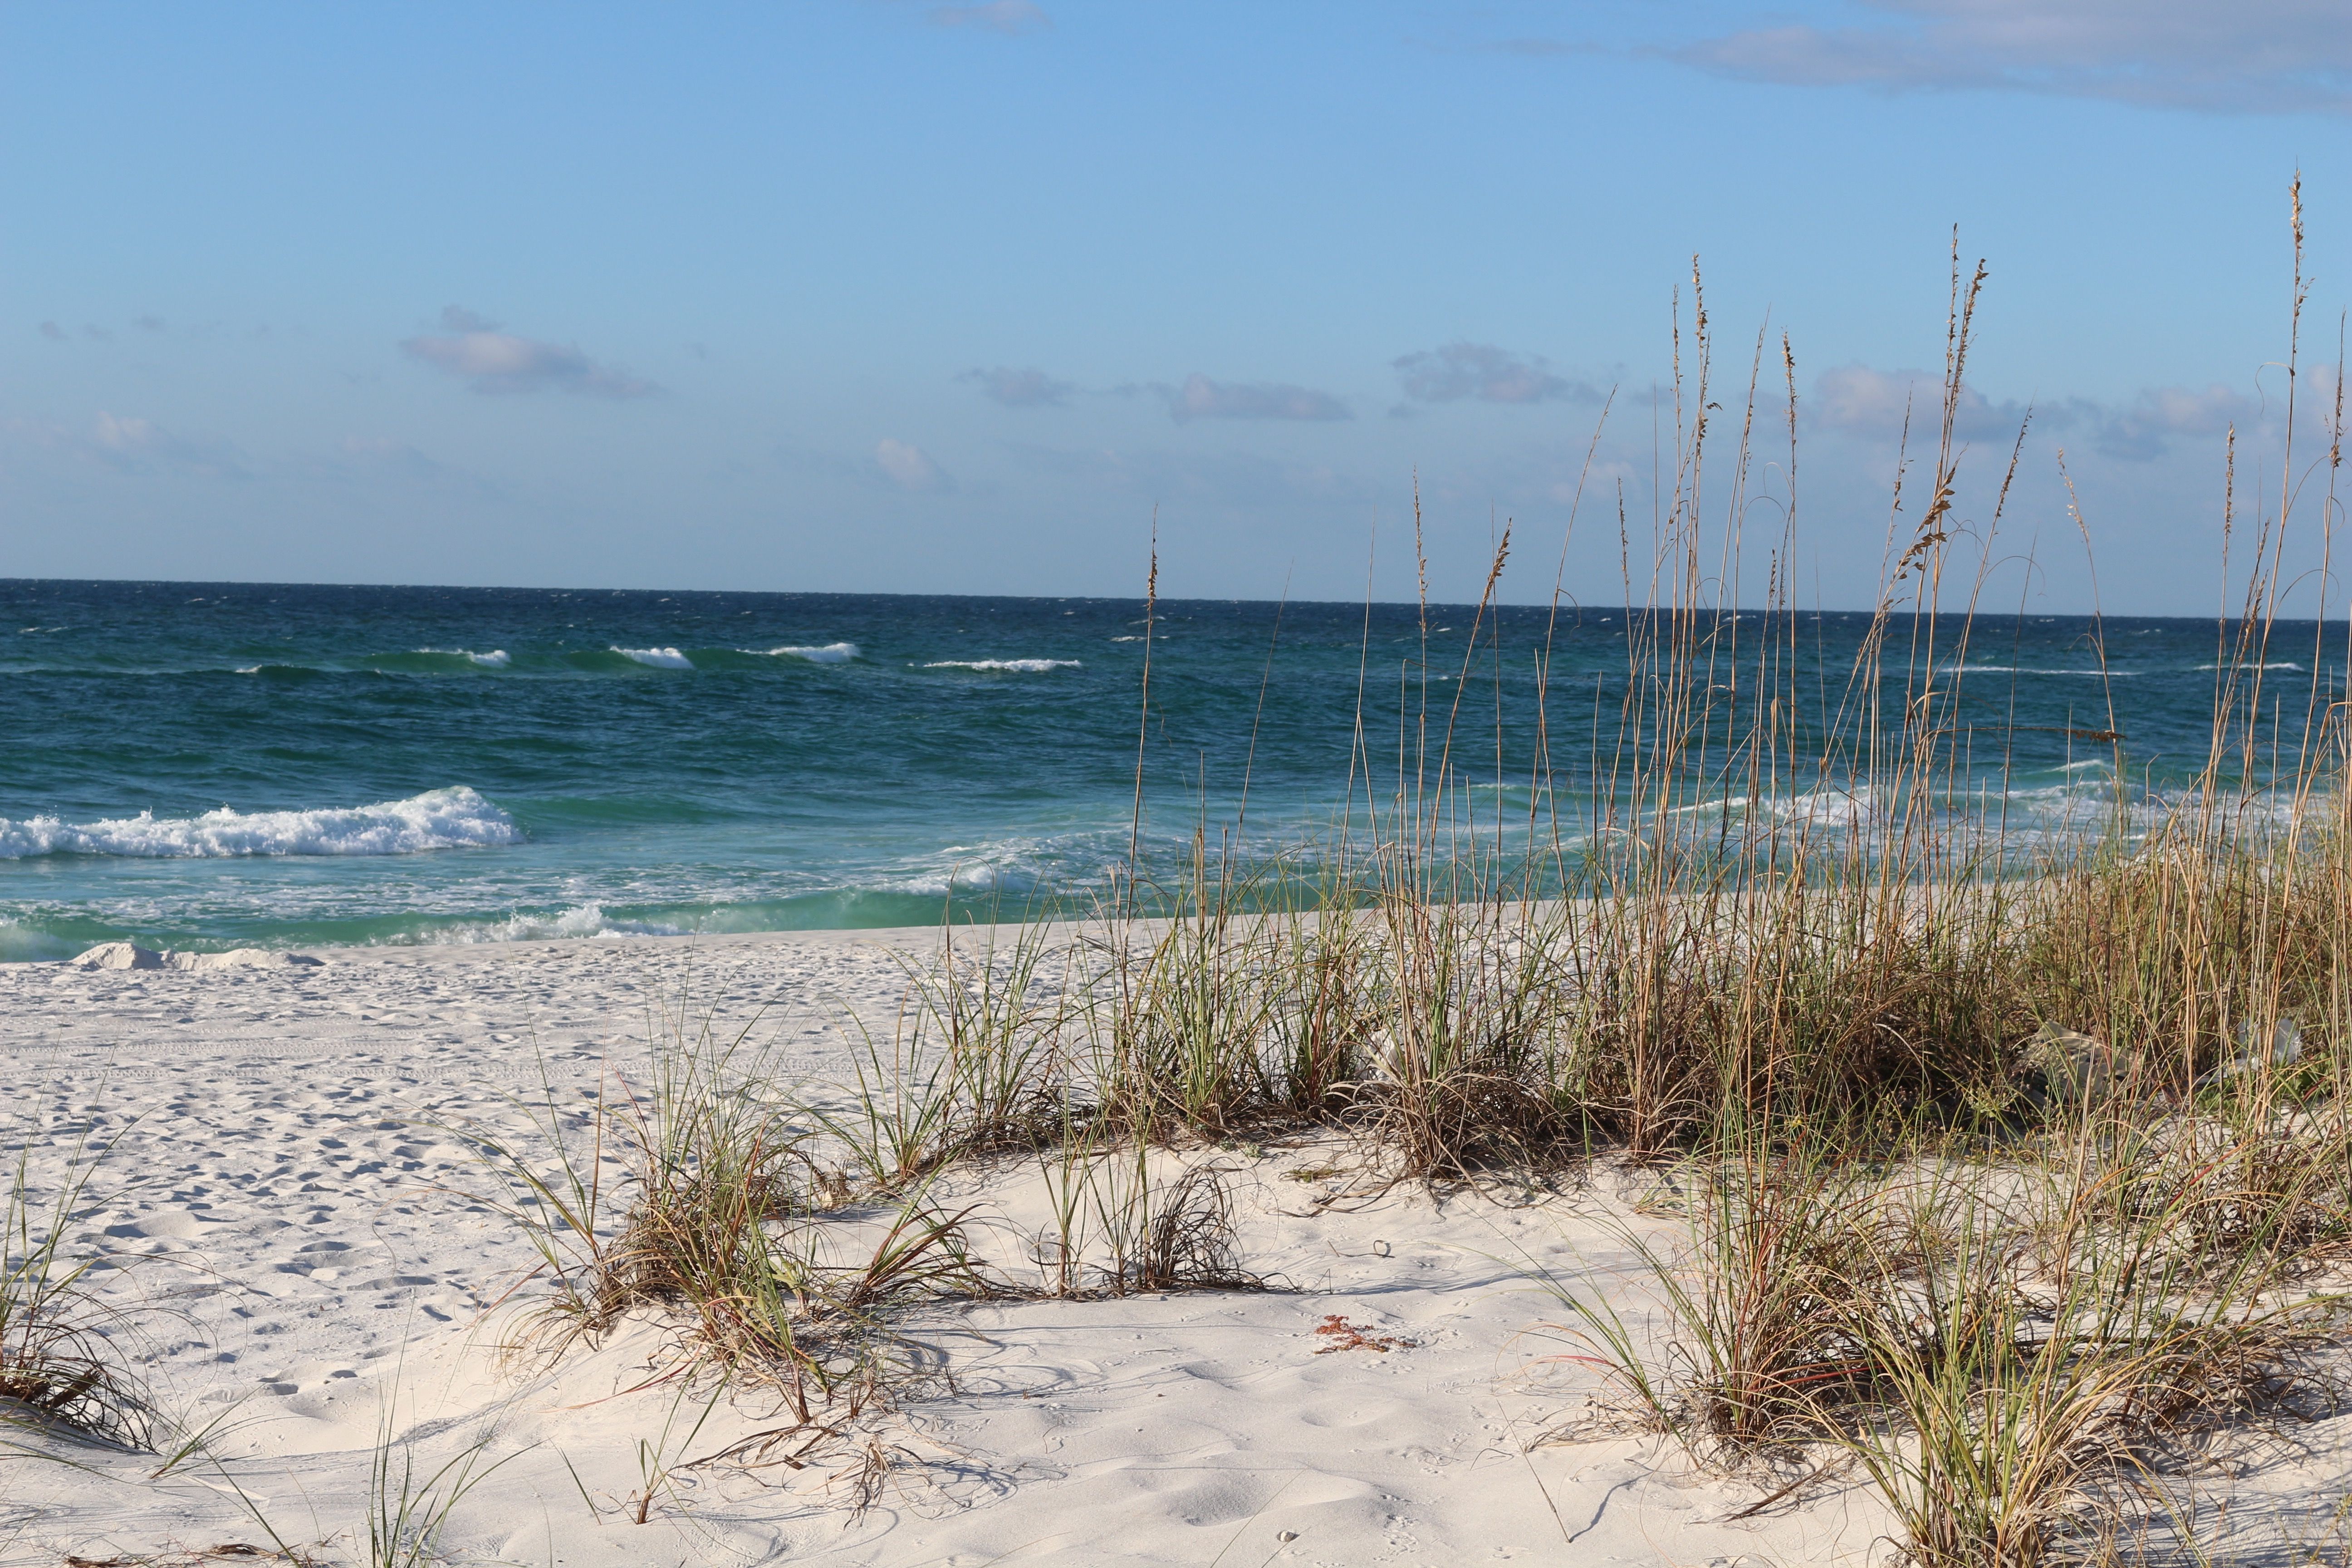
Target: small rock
[1286,1535]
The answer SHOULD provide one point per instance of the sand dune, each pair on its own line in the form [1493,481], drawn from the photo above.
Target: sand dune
[304,1243]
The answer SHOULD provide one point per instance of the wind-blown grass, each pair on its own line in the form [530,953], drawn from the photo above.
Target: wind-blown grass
[2004,1164]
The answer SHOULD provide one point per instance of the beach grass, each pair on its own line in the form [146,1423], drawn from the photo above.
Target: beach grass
[61,1366]
[2010,1167]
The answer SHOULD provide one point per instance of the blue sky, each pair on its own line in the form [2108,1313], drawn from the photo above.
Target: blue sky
[896,296]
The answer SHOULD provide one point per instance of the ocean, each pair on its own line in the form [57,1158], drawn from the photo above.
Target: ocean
[209,765]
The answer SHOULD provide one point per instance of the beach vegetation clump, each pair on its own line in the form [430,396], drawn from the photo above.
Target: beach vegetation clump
[2017,1354]
[970,1070]
[59,1369]
[2011,1173]
[695,1199]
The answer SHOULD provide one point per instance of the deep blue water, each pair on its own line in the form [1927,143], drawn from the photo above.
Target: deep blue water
[211,764]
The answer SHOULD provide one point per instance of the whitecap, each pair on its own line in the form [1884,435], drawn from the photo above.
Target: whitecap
[453,818]
[1024,665]
[580,921]
[1018,864]
[660,658]
[976,872]
[496,658]
[2282,665]
[829,652]
[2036,669]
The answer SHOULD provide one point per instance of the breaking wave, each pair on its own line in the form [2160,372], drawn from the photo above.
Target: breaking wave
[830,653]
[578,921]
[1024,665]
[453,818]
[658,657]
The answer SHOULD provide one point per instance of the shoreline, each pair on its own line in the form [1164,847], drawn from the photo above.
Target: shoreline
[910,940]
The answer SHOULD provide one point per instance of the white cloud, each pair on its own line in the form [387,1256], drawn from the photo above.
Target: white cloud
[1487,373]
[1011,17]
[2254,57]
[129,444]
[2146,430]
[1200,398]
[908,467]
[1029,388]
[489,361]
[1857,400]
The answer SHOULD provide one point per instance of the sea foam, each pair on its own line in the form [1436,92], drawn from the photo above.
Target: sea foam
[831,653]
[660,658]
[497,659]
[453,818]
[1025,666]
[578,920]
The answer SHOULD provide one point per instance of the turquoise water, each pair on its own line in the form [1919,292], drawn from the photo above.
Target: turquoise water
[215,764]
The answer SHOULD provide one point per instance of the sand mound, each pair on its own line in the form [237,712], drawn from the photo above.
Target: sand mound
[130,956]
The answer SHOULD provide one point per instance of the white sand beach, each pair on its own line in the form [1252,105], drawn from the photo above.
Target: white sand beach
[306,1248]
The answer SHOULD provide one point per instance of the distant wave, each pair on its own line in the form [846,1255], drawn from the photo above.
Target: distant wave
[2036,669]
[658,657]
[276,668]
[831,653]
[414,661]
[2281,664]
[453,818]
[1025,666]
[497,659]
